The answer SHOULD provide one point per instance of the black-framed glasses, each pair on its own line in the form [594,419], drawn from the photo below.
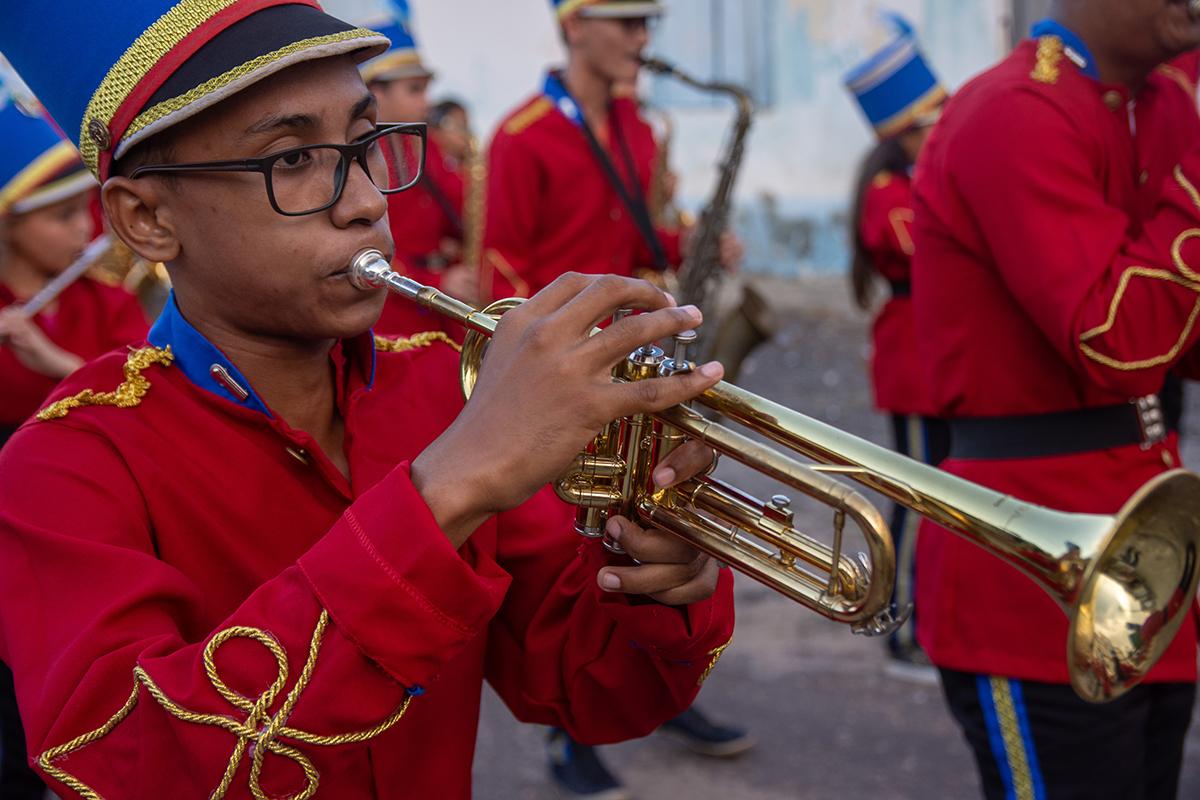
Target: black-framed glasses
[310,179]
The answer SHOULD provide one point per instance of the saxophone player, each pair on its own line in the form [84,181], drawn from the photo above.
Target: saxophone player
[570,169]
[569,174]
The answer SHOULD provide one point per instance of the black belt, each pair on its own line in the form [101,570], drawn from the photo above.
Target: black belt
[1061,433]
[901,288]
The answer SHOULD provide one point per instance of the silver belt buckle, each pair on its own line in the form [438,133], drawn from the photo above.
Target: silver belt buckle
[1151,420]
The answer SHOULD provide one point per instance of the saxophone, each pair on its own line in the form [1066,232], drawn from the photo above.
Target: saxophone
[701,274]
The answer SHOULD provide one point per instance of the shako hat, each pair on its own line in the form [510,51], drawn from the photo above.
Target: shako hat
[607,9]
[392,18]
[115,75]
[38,166]
[896,87]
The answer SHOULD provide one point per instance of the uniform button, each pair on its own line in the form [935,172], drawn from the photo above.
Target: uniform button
[615,214]
[1168,459]
[1144,178]
[1113,100]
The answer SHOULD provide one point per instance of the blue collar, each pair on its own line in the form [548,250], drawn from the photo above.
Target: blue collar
[201,361]
[556,91]
[1076,50]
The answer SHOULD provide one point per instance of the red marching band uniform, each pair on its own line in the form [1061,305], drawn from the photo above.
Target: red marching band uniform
[550,207]
[196,602]
[1053,273]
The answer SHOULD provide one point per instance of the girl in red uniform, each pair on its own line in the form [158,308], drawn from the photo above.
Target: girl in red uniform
[901,99]
[45,223]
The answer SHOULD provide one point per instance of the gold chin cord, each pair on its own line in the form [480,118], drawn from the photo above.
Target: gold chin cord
[1127,582]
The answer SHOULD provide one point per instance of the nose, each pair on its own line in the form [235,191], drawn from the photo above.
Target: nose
[361,201]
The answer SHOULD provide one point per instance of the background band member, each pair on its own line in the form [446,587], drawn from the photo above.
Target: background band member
[1054,282]
[569,171]
[569,174]
[901,99]
[283,554]
[426,221]
[45,223]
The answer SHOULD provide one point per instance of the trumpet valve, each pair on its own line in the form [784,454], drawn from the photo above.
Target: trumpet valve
[678,362]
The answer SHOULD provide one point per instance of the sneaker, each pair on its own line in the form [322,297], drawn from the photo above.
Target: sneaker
[704,737]
[577,771]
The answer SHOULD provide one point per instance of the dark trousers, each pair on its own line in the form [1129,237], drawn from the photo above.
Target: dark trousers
[17,780]
[1039,741]
[928,441]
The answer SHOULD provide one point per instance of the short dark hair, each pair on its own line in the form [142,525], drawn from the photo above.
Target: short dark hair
[158,149]
[443,109]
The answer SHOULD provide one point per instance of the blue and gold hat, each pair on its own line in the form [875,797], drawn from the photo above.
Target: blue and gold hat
[38,166]
[607,9]
[896,87]
[392,18]
[115,75]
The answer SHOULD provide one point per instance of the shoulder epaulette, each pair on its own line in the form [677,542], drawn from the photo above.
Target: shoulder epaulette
[1050,52]
[882,179]
[1179,77]
[415,342]
[127,395]
[529,115]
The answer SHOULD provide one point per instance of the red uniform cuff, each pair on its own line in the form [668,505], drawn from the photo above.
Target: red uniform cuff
[673,633]
[394,584]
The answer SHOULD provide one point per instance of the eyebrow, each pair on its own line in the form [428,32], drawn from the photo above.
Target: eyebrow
[277,122]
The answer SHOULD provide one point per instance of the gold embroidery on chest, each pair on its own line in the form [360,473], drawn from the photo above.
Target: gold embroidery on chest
[260,734]
[415,342]
[127,395]
[1049,60]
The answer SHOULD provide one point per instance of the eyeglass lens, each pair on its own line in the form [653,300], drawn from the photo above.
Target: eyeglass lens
[306,180]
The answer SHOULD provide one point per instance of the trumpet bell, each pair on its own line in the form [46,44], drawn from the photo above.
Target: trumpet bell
[1136,591]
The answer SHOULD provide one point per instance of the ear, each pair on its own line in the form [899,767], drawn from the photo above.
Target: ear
[570,30]
[138,215]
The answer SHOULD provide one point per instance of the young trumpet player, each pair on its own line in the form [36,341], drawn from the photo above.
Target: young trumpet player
[1055,286]
[282,555]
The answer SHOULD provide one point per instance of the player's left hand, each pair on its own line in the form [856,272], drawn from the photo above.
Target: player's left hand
[33,348]
[669,570]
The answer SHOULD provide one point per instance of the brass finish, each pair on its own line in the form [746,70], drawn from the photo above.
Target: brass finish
[1127,582]
[474,204]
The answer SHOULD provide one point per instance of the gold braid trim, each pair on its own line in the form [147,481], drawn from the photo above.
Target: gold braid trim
[902,221]
[415,342]
[1049,57]
[127,395]
[260,731]
[716,656]
[1184,276]
[1014,744]
[523,119]
[168,107]
[136,62]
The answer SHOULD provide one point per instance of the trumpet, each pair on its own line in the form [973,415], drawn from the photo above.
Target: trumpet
[1127,582]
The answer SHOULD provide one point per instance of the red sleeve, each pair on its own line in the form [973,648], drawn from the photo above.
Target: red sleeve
[887,217]
[92,620]
[1119,309]
[563,652]
[513,194]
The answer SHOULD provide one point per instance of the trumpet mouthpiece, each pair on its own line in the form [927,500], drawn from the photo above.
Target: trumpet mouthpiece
[369,270]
